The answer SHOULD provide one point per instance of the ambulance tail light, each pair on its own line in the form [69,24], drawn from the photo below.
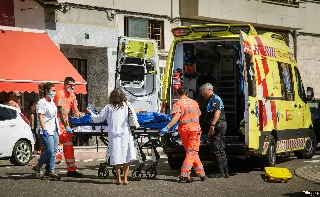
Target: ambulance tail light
[181,32]
[237,29]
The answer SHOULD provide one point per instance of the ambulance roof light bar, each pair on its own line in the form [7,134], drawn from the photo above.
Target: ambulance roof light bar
[210,29]
[237,29]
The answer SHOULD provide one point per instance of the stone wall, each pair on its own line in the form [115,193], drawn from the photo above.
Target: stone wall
[308,53]
[97,73]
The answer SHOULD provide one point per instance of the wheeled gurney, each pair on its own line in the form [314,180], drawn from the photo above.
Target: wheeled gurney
[150,124]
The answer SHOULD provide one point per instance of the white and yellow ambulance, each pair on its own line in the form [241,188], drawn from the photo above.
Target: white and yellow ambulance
[259,82]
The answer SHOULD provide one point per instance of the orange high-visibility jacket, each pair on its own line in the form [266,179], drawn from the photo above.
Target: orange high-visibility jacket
[190,113]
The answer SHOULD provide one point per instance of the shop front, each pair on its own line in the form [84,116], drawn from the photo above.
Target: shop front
[28,59]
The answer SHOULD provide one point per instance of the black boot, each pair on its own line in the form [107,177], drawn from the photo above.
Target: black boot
[75,174]
[226,174]
[185,179]
[204,178]
[217,175]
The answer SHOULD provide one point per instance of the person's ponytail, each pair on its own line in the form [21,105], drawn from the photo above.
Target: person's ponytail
[41,90]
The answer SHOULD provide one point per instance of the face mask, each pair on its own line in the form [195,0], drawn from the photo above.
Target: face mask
[52,94]
[70,90]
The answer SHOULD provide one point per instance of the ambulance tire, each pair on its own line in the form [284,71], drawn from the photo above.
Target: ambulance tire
[308,154]
[174,163]
[270,159]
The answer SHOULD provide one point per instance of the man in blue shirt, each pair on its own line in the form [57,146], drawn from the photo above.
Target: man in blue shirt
[217,131]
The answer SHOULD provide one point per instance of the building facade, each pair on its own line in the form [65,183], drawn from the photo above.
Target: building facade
[87,31]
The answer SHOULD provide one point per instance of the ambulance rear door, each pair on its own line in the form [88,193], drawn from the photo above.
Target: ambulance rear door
[137,72]
[251,113]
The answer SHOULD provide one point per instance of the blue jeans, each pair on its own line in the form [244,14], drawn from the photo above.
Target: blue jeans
[50,144]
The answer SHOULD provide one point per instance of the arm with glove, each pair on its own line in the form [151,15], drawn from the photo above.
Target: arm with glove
[176,116]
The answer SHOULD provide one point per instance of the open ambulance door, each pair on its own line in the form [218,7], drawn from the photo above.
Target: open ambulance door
[251,113]
[137,72]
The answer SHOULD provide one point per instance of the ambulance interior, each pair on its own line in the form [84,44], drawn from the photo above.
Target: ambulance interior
[215,62]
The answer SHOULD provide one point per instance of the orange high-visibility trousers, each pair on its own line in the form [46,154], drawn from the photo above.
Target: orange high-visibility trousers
[66,140]
[191,142]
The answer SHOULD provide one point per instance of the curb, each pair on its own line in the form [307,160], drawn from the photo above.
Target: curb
[308,176]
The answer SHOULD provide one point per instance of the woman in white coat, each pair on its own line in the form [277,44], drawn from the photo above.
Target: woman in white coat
[121,144]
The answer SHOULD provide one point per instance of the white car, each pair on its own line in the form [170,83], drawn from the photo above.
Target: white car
[16,137]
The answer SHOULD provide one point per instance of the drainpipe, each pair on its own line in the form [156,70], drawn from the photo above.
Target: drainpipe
[295,46]
[171,9]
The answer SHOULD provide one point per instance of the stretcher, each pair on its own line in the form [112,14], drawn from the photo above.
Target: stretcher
[150,124]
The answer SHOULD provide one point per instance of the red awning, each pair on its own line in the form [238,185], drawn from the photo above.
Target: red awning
[28,59]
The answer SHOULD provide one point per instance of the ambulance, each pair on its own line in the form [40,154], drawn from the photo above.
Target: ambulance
[258,80]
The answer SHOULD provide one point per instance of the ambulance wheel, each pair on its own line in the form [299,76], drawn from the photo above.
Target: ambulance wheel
[137,175]
[270,159]
[174,163]
[114,172]
[310,147]
[151,173]
[103,171]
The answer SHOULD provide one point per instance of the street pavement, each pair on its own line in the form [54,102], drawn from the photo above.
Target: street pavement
[19,181]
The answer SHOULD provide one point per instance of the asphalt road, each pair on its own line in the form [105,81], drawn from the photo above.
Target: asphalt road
[20,182]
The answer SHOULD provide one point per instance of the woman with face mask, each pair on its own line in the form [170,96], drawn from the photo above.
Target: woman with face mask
[47,128]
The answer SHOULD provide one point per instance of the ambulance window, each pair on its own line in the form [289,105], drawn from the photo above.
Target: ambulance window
[300,87]
[285,74]
[251,75]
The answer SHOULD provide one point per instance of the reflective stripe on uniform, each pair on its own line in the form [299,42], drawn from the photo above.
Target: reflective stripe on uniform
[70,160]
[67,144]
[71,165]
[185,174]
[186,167]
[198,168]
[190,150]
[202,174]
[191,111]
[175,109]
[75,102]
[65,111]
[189,120]
[60,102]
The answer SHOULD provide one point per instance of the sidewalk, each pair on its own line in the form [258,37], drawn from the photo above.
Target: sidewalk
[310,172]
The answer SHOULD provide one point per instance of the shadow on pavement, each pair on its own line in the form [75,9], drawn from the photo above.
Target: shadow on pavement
[19,176]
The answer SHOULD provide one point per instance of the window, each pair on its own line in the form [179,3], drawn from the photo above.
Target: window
[144,28]
[81,66]
[285,74]
[251,75]
[300,86]
[7,114]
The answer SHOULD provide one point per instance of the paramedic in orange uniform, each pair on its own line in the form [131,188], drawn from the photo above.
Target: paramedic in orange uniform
[187,112]
[65,100]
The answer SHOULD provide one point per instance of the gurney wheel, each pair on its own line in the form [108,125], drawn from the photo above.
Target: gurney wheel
[114,172]
[137,175]
[151,173]
[103,171]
